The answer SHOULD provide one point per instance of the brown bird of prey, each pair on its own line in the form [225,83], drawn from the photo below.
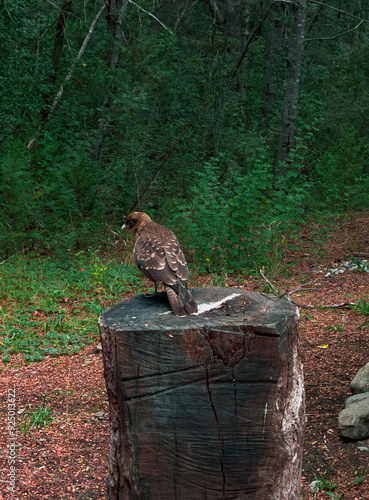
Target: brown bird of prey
[158,255]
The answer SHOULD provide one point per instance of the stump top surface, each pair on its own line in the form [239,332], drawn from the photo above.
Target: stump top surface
[239,307]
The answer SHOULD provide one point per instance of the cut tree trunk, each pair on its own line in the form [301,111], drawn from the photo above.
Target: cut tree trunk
[204,407]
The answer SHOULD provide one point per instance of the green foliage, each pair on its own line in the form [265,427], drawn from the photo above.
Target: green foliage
[360,475]
[327,486]
[50,307]
[41,417]
[362,307]
[340,176]
[233,219]
[177,134]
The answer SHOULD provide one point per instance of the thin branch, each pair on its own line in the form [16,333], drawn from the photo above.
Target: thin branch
[71,70]
[261,271]
[151,15]
[250,39]
[338,10]
[288,294]
[335,36]
[275,132]
[79,55]
[6,8]
[328,306]
[170,151]
[61,10]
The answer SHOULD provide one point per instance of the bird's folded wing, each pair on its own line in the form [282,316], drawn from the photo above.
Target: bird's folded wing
[151,259]
[176,260]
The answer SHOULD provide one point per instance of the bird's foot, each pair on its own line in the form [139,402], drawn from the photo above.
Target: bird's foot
[151,294]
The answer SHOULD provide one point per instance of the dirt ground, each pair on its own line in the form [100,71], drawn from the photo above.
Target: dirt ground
[68,459]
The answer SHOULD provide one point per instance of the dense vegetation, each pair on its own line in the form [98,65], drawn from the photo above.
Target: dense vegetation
[50,308]
[176,108]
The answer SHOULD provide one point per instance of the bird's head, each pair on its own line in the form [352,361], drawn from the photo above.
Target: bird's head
[135,221]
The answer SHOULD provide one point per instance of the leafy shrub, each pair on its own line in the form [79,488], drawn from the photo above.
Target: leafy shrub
[342,176]
[236,222]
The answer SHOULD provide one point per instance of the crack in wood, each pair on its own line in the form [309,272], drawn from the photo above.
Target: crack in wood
[162,391]
[156,375]
[220,437]
[235,391]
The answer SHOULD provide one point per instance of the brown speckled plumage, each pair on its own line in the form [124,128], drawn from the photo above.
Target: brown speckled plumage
[158,255]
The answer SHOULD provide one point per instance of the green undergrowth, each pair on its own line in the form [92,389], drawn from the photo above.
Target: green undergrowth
[51,307]
[41,418]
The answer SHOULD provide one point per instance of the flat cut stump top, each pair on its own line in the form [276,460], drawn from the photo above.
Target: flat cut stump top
[232,306]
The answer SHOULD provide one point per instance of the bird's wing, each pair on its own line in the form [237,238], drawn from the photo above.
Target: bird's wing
[174,255]
[151,258]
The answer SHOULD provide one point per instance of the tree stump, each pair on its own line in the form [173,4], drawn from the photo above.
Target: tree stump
[204,407]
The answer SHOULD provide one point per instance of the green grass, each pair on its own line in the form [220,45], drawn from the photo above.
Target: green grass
[362,307]
[51,307]
[41,417]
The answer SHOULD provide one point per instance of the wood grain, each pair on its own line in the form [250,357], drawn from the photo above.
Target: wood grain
[204,407]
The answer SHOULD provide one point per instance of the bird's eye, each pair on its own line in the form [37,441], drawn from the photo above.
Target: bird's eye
[130,222]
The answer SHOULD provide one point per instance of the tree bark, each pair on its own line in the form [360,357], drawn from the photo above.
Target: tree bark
[232,18]
[59,37]
[68,76]
[204,407]
[291,87]
[272,62]
[116,10]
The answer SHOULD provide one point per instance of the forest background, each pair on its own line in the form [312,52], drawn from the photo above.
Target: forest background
[233,123]
[229,121]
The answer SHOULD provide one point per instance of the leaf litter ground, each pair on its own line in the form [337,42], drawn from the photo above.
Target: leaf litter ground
[68,458]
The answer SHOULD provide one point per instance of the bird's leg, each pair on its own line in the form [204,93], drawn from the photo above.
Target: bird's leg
[155,292]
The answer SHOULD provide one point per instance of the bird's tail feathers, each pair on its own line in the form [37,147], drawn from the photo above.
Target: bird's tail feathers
[174,301]
[180,287]
[180,298]
[190,305]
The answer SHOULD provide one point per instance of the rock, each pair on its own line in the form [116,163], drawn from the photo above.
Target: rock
[347,266]
[360,382]
[352,266]
[356,398]
[98,349]
[315,486]
[353,421]
[363,443]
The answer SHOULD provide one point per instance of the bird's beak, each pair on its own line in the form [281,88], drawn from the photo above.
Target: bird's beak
[124,226]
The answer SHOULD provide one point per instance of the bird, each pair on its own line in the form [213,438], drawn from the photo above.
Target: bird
[159,256]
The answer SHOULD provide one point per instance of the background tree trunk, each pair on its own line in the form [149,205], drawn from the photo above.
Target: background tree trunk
[232,18]
[65,11]
[272,62]
[291,87]
[114,18]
